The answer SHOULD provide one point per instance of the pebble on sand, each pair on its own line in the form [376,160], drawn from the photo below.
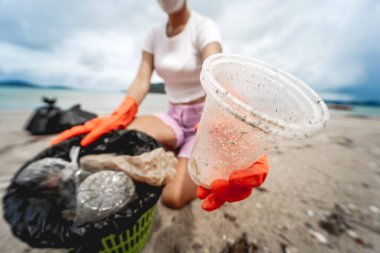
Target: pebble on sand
[319,236]
[374,209]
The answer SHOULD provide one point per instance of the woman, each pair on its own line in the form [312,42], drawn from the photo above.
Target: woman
[176,51]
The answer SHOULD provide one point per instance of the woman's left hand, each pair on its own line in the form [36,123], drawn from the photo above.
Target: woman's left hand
[239,185]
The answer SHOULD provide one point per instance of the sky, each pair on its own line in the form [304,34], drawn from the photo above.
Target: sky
[334,46]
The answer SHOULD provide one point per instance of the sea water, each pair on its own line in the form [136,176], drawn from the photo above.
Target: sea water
[101,102]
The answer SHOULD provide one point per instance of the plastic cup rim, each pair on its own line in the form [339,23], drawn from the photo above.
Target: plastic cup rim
[282,127]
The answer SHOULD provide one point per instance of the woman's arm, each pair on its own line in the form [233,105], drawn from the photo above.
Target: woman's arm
[211,48]
[140,85]
[124,113]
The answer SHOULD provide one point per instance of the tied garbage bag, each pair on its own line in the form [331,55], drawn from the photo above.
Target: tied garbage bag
[50,119]
[46,220]
[45,174]
[45,120]
[74,116]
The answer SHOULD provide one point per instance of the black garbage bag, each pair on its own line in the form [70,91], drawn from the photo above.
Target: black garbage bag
[74,116]
[45,120]
[50,119]
[38,215]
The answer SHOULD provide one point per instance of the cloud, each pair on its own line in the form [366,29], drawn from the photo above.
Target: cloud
[88,44]
[85,60]
[319,41]
[96,44]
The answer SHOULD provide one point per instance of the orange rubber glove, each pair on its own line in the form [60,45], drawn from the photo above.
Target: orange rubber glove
[238,187]
[95,128]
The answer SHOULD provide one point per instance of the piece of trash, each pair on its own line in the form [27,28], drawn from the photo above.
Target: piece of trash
[197,246]
[335,223]
[351,233]
[258,205]
[319,236]
[308,225]
[230,217]
[288,249]
[103,194]
[261,189]
[46,173]
[374,209]
[310,213]
[365,185]
[156,167]
[230,240]
[242,245]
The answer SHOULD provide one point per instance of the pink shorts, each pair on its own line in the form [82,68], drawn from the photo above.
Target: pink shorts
[182,119]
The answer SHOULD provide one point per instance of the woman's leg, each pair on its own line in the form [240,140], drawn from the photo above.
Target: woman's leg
[154,127]
[181,189]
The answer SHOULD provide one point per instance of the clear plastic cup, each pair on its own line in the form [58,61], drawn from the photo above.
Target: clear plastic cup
[250,106]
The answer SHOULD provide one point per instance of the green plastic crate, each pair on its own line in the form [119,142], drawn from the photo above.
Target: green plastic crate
[131,240]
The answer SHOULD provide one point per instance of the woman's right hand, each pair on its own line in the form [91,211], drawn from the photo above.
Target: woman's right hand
[238,187]
[95,128]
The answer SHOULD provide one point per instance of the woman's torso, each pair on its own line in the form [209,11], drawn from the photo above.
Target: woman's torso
[178,59]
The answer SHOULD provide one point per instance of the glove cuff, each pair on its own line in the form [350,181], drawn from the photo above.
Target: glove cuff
[128,106]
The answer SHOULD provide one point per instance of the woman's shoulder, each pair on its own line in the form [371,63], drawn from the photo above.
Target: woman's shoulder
[199,20]
[156,30]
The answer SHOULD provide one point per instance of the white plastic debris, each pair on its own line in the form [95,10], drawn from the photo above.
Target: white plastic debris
[374,209]
[290,249]
[310,213]
[352,234]
[319,236]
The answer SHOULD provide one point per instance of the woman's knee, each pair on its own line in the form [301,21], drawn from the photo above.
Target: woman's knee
[154,127]
[142,123]
[181,190]
[175,199]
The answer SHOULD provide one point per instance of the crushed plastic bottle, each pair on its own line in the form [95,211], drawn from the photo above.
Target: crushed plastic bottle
[103,194]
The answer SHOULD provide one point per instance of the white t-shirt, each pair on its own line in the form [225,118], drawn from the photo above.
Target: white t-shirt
[178,59]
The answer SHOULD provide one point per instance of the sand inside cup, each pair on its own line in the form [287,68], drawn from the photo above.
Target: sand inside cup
[250,106]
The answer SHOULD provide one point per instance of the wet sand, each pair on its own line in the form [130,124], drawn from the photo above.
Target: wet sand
[337,172]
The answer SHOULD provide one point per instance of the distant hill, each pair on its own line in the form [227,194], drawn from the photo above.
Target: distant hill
[157,88]
[24,84]
[17,83]
[353,102]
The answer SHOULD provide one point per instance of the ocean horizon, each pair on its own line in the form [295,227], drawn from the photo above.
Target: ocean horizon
[20,99]
[24,99]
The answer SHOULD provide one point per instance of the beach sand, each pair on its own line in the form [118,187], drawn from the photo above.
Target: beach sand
[338,171]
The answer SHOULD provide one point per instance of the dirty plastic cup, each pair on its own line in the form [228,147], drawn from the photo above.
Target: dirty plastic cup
[250,107]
